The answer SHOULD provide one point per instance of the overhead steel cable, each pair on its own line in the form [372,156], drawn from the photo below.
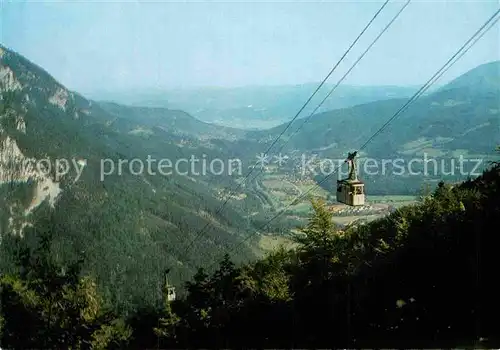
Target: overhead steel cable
[200,233]
[431,80]
[466,50]
[326,78]
[419,93]
[341,79]
[345,75]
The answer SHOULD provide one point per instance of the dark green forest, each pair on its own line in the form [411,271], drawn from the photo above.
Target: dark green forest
[91,271]
[420,277]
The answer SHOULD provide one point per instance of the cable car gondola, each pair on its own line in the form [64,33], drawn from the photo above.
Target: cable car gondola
[351,190]
[169,289]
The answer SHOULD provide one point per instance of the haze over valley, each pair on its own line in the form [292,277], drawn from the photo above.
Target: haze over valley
[118,185]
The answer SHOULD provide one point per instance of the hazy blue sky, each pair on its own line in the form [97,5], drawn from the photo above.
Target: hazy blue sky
[99,45]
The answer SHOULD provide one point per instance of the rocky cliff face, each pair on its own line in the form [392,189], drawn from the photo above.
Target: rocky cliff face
[22,90]
[116,219]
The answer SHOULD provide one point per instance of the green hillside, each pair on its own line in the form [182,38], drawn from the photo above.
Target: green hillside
[123,230]
[417,278]
[135,223]
[450,112]
[482,78]
[443,125]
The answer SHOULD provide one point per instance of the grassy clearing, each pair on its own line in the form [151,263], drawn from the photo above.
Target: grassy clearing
[391,199]
[345,220]
[396,201]
[466,154]
[424,145]
[268,243]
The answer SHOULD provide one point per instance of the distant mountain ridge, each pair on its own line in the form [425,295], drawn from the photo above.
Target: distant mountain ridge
[176,121]
[254,107]
[485,77]
[465,112]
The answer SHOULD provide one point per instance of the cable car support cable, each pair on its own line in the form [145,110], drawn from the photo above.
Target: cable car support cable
[419,93]
[345,75]
[218,211]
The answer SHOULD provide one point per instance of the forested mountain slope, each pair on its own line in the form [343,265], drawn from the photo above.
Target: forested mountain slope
[421,277]
[130,226]
[464,114]
[174,121]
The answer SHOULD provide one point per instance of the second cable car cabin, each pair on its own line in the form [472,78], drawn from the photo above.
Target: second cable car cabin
[351,191]
[169,290]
